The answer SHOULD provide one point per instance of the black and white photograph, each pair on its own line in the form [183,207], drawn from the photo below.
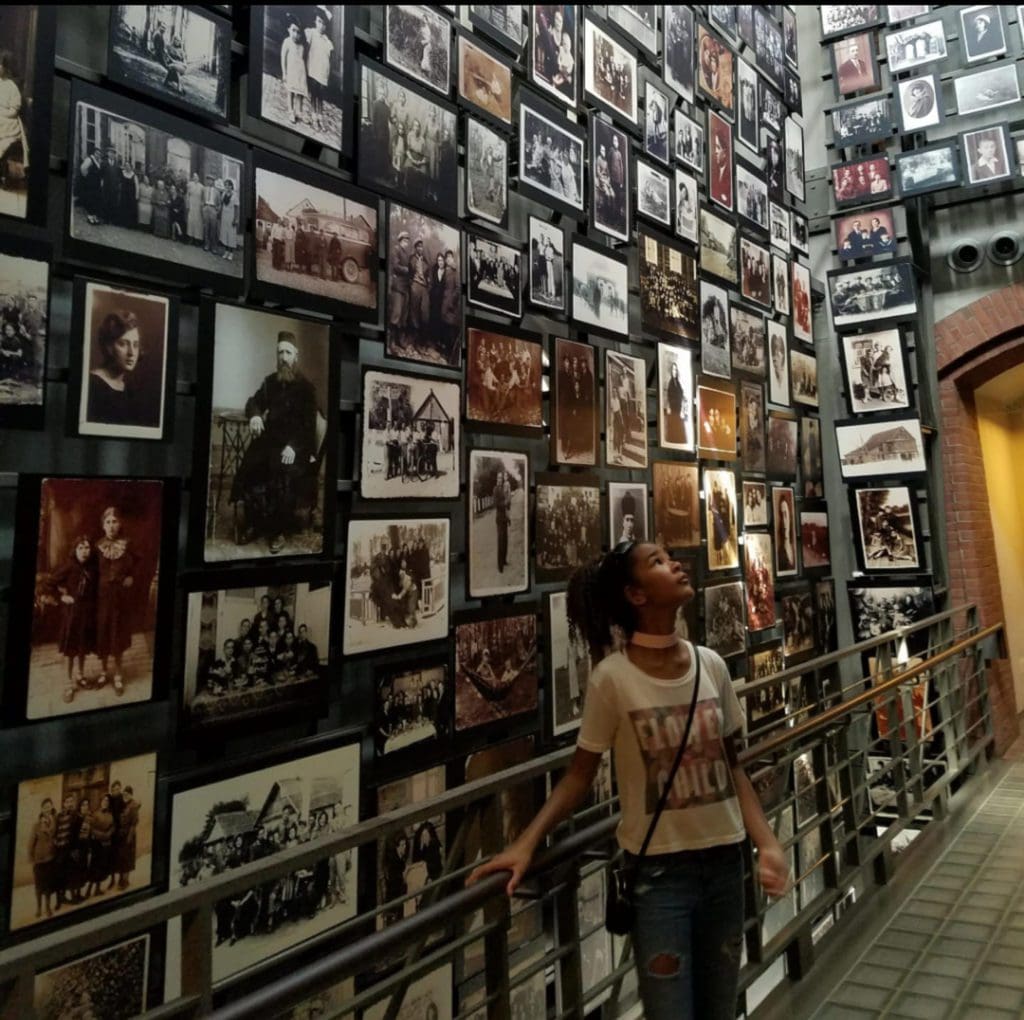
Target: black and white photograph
[888,535]
[154,193]
[718,246]
[600,288]
[799,232]
[224,824]
[724,623]
[256,647]
[486,173]
[888,291]
[775,169]
[784,531]
[300,71]
[922,43]
[781,459]
[919,101]
[554,64]
[678,60]
[878,607]
[759,580]
[804,377]
[411,436]
[498,491]
[609,72]
[503,380]
[627,513]
[668,289]
[780,284]
[653,194]
[568,665]
[272,428]
[790,42]
[174,52]
[863,234]
[803,327]
[675,398]
[687,205]
[575,426]
[676,504]
[825,616]
[778,359]
[656,122]
[854,66]
[748,121]
[485,80]
[773,110]
[880,449]
[982,32]
[424,280]
[716,422]
[504,23]
[862,181]
[567,528]
[714,330]
[722,520]
[724,17]
[715,74]
[316,240]
[751,195]
[748,340]
[904,12]
[418,42]
[494,275]
[752,439]
[411,704]
[838,19]
[814,541]
[768,47]
[72,812]
[496,671]
[755,272]
[780,230]
[625,386]
[755,505]
[552,154]
[810,458]
[720,171]
[396,582]
[689,148]
[875,370]
[639,23]
[794,159]
[609,180]
[794,93]
[24,335]
[987,89]
[863,121]
[408,141]
[930,169]
[547,264]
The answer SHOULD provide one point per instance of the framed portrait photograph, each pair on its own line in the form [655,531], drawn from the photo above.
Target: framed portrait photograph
[411,704]
[547,265]
[568,666]
[575,417]
[554,55]
[759,580]
[724,622]
[904,12]
[600,288]
[755,505]
[86,568]
[424,315]
[748,123]
[687,205]
[724,18]
[825,615]
[784,531]
[639,23]
[722,519]
[987,155]
[775,169]
[115,797]
[794,93]
[751,195]
[864,234]
[804,376]
[656,121]
[790,43]
[718,246]
[503,380]
[794,159]
[747,330]
[798,628]
[921,43]
[919,101]
[863,121]
[840,19]
[854,66]
[755,272]
[610,186]
[496,671]
[780,284]
[745,24]
[396,582]
[769,702]
[627,512]
[780,230]
[653,194]
[773,111]
[715,70]
[803,328]
[981,32]
[552,154]
[893,448]
[768,46]
[716,421]
[752,412]
[987,89]
[875,371]
[675,398]
[154,194]
[799,232]
[498,494]
[266,445]
[676,504]
[689,148]
[720,175]
[504,23]
[486,173]
[678,51]
[929,169]
[418,42]
[609,72]
[300,71]
[778,357]
[887,529]
[887,291]
[567,524]
[256,647]
[484,79]
[316,240]
[407,140]
[814,542]
[494,275]
[410,447]
[810,457]
[625,386]
[781,460]
[668,289]
[878,606]
[714,327]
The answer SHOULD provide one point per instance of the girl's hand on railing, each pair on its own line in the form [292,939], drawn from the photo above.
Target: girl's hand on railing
[516,858]
[773,870]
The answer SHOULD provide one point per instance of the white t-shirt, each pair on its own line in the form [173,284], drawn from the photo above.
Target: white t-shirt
[643,718]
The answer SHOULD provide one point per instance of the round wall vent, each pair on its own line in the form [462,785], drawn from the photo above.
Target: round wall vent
[1005,248]
[965,256]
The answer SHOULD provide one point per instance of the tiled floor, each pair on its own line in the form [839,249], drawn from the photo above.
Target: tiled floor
[956,948]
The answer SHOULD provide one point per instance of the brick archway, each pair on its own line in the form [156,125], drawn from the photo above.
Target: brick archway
[974,345]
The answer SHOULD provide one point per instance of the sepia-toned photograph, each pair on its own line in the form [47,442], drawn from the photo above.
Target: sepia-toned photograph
[748,122]
[496,671]
[716,422]
[862,181]
[722,526]
[814,544]
[751,195]
[715,355]
[271,437]
[568,666]
[552,153]
[755,272]
[300,71]
[981,32]
[720,173]
[502,22]
[256,652]
[410,442]
[784,530]
[396,582]
[923,43]
[854,64]
[810,458]
[627,512]
[24,334]
[804,375]
[486,173]
[653,194]
[485,80]
[986,155]
[863,122]
[554,57]
[838,19]
[752,440]
[675,398]
[888,536]
[98,823]
[503,379]
[575,426]
[668,289]
[625,384]
[880,448]
[656,122]
[407,141]
[689,148]
[929,169]
[919,101]
[863,234]
[866,295]
[747,330]
[778,355]
[755,505]
[766,661]
[781,457]
[498,494]
[715,73]
[494,274]
[676,504]
[411,704]
[875,369]
[718,247]
[678,58]
[724,623]
[567,524]
[600,288]
[759,579]
[687,204]
[609,71]
[316,240]
[418,42]
[798,626]
[610,187]
[424,320]
[180,54]
[547,265]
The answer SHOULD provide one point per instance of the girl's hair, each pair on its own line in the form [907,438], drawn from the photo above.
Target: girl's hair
[597,603]
[114,326]
[82,539]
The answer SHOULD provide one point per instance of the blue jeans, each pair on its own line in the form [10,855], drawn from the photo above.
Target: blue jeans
[688,933]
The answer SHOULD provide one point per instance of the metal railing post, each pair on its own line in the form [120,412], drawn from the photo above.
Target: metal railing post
[197,957]
[567,924]
[16,998]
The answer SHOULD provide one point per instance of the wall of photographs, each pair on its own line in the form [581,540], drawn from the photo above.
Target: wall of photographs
[337,338]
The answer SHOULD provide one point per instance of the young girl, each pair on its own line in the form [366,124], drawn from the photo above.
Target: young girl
[688,925]
[115,603]
[75,585]
[293,71]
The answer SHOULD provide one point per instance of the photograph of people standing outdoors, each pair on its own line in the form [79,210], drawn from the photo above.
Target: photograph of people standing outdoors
[24,327]
[499,538]
[503,379]
[553,28]
[547,264]
[625,384]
